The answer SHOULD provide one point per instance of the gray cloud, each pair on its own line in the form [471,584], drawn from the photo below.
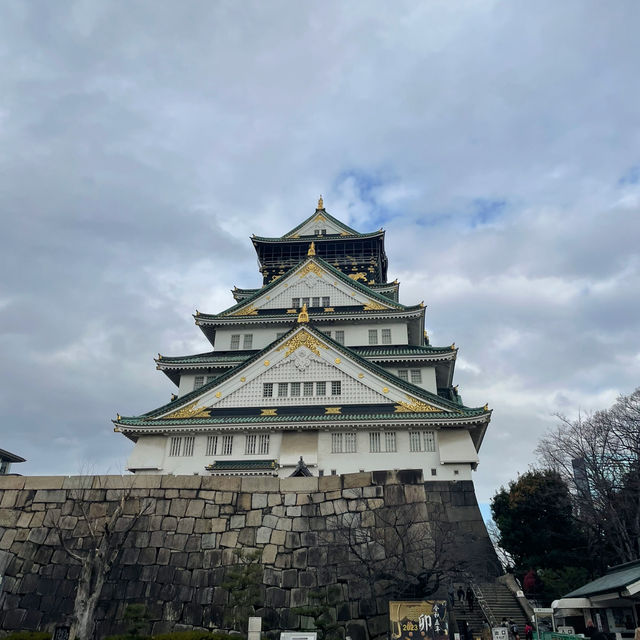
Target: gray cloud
[142,145]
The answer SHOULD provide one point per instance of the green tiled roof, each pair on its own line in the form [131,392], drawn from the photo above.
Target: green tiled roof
[241,465]
[295,419]
[335,272]
[616,579]
[364,351]
[412,389]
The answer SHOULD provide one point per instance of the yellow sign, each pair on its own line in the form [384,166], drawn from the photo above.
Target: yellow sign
[418,619]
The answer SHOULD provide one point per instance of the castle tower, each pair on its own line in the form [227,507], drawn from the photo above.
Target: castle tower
[320,371]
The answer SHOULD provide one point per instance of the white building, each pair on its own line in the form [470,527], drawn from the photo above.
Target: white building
[321,364]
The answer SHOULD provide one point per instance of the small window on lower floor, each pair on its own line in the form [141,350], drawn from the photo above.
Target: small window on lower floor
[434,472]
[320,472]
[386,336]
[403,374]
[267,390]
[189,441]
[263,443]
[374,442]
[416,376]
[336,388]
[333,472]
[295,389]
[307,389]
[321,388]
[198,382]
[250,444]
[175,446]
[339,337]
[212,445]
[227,445]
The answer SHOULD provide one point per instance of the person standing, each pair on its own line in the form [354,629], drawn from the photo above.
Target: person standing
[460,593]
[470,597]
[452,596]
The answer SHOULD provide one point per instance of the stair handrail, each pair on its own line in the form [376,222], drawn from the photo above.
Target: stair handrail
[482,603]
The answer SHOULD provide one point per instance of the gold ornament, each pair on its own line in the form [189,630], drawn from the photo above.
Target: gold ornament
[413,405]
[301,339]
[303,316]
[190,411]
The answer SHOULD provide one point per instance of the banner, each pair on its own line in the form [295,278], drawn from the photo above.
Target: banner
[415,620]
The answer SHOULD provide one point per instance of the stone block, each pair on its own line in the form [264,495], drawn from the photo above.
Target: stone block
[330,483]
[254,518]
[303,498]
[317,556]
[263,535]
[178,507]
[43,482]
[218,525]
[293,540]
[300,524]
[340,506]
[309,538]
[351,480]
[25,519]
[185,525]
[260,484]
[284,524]
[51,495]
[229,539]
[269,554]
[9,498]
[9,517]
[243,502]
[300,559]
[304,484]
[195,508]
[211,510]
[274,499]
[12,482]
[299,596]
[221,483]
[147,556]
[7,539]
[181,482]
[283,561]
[169,523]
[237,522]
[307,579]
[326,509]
[224,497]
[209,541]
[294,511]
[290,499]
[278,537]
[247,537]
[276,598]
[258,500]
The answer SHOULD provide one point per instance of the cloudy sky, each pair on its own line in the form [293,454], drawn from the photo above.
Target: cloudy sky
[141,143]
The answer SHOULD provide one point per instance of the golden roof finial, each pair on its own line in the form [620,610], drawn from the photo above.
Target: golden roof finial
[303,316]
[312,249]
[320,206]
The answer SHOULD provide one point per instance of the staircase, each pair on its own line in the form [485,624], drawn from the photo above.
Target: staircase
[501,602]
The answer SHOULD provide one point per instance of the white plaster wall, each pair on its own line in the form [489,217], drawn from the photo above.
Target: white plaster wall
[428,375]
[154,451]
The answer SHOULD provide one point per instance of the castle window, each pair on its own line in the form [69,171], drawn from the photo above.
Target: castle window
[416,376]
[386,336]
[429,440]
[390,441]
[247,343]
[327,333]
[373,336]
[198,382]
[325,301]
[321,388]
[250,444]
[339,337]
[295,303]
[307,389]
[267,390]
[283,389]
[212,445]
[415,442]
[422,441]
[336,388]
[210,379]
[434,472]
[295,389]
[306,301]
[315,301]
[188,445]
[263,443]
[403,374]
[235,341]
[227,445]
[336,443]
[374,442]
[176,446]
[349,442]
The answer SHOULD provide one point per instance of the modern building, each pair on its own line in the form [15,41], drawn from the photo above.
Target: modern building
[319,371]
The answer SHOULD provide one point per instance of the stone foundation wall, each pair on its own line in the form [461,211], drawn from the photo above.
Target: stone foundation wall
[175,557]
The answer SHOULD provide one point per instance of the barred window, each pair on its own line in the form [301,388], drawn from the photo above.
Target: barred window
[188,445]
[227,445]
[373,336]
[235,341]
[321,388]
[349,442]
[390,441]
[247,343]
[403,374]
[295,303]
[198,382]
[325,301]
[386,336]
[267,390]
[295,389]
[176,446]
[416,376]
[374,442]
[429,440]
[339,337]
[415,442]
[307,390]
[250,444]
[336,443]
[315,301]
[306,301]
[263,443]
[212,445]
[283,389]
[327,333]
[336,388]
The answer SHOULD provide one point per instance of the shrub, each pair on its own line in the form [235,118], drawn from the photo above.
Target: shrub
[28,635]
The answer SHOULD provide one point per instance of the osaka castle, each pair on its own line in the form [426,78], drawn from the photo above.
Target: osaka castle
[319,371]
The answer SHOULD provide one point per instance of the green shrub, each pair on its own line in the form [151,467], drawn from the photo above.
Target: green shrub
[28,635]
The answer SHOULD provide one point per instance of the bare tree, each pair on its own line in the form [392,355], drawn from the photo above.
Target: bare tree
[105,533]
[395,555]
[598,456]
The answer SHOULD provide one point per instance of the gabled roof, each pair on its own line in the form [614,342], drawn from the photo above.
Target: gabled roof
[421,396]
[319,262]
[616,579]
[10,457]
[322,212]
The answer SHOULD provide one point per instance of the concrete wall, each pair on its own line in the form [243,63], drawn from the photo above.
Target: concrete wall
[175,557]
